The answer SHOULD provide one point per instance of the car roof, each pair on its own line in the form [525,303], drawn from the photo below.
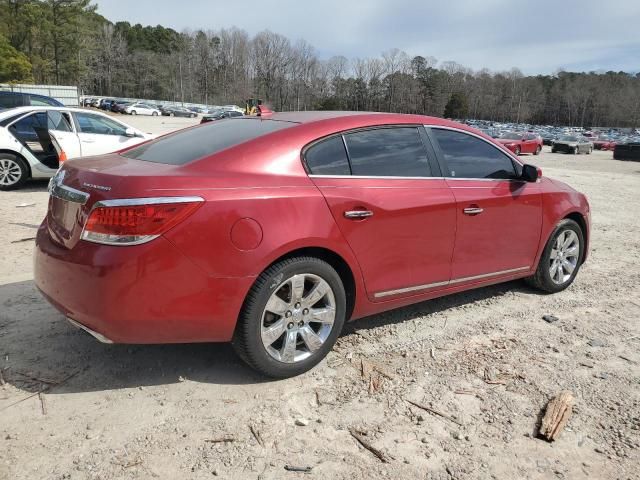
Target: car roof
[20,110]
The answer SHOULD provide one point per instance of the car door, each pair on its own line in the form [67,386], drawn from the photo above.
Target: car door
[61,128]
[99,134]
[394,209]
[498,216]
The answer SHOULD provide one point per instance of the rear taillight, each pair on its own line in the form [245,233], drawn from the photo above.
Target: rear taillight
[136,221]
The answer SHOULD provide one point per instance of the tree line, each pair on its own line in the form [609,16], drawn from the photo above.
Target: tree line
[68,42]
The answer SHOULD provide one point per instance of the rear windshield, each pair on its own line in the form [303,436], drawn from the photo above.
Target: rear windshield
[194,143]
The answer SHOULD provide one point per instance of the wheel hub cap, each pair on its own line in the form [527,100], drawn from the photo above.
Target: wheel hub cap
[298,318]
[564,257]
[10,172]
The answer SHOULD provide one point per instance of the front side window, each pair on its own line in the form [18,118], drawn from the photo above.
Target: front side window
[392,152]
[88,123]
[469,157]
[328,157]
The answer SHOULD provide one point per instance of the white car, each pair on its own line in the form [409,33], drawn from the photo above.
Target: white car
[34,140]
[142,109]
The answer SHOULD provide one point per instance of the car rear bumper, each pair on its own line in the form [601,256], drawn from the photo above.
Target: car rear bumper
[148,293]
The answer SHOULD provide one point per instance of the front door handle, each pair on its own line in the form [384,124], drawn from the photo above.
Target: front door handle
[358,214]
[473,210]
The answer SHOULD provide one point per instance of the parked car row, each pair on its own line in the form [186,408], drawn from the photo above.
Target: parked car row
[561,139]
[162,108]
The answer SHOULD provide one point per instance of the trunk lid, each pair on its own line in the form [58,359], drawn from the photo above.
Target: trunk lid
[79,184]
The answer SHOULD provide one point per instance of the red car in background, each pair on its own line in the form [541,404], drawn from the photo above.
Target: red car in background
[520,143]
[603,143]
[271,232]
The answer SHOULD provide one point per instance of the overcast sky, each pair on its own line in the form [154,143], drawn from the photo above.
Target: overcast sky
[537,36]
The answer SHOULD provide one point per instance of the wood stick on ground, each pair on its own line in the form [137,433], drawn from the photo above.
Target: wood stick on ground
[256,435]
[220,440]
[436,412]
[43,403]
[557,415]
[47,388]
[293,468]
[378,453]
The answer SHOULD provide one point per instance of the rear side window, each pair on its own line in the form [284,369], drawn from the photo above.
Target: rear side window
[392,152]
[194,143]
[39,101]
[328,158]
[11,100]
[58,121]
[469,157]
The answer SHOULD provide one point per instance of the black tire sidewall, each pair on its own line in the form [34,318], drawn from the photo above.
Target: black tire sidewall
[252,349]
[543,269]
[24,169]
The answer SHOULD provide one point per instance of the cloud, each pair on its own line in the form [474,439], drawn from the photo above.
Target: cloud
[537,37]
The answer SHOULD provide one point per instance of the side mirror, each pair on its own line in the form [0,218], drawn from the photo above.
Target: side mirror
[130,132]
[531,173]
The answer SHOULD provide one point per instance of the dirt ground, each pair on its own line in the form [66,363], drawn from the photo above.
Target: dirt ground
[486,360]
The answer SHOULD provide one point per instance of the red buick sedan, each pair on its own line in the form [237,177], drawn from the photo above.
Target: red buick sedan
[272,232]
[521,142]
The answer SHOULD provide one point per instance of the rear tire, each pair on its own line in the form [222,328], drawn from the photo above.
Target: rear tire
[154,114]
[133,112]
[517,151]
[543,279]
[14,171]
[538,150]
[262,334]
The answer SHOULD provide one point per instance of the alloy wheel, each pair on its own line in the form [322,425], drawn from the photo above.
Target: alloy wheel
[298,318]
[564,257]
[10,172]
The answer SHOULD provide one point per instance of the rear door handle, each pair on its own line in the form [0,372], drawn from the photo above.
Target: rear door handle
[358,214]
[473,210]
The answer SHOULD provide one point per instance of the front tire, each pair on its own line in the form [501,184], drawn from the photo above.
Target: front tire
[291,317]
[133,112]
[13,171]
[517,151]
[154,114]
[538,149]
[561,258]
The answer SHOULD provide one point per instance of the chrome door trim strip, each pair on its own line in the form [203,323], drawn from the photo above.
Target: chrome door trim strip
[410,289]
[487,275]
[428,286]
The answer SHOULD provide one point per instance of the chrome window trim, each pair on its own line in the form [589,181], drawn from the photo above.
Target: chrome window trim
[383,177]
[58,190]
[508,154]
[129,202]
[429,286]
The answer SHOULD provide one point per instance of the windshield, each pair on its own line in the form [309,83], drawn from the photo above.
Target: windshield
[511,136]
[568,138]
